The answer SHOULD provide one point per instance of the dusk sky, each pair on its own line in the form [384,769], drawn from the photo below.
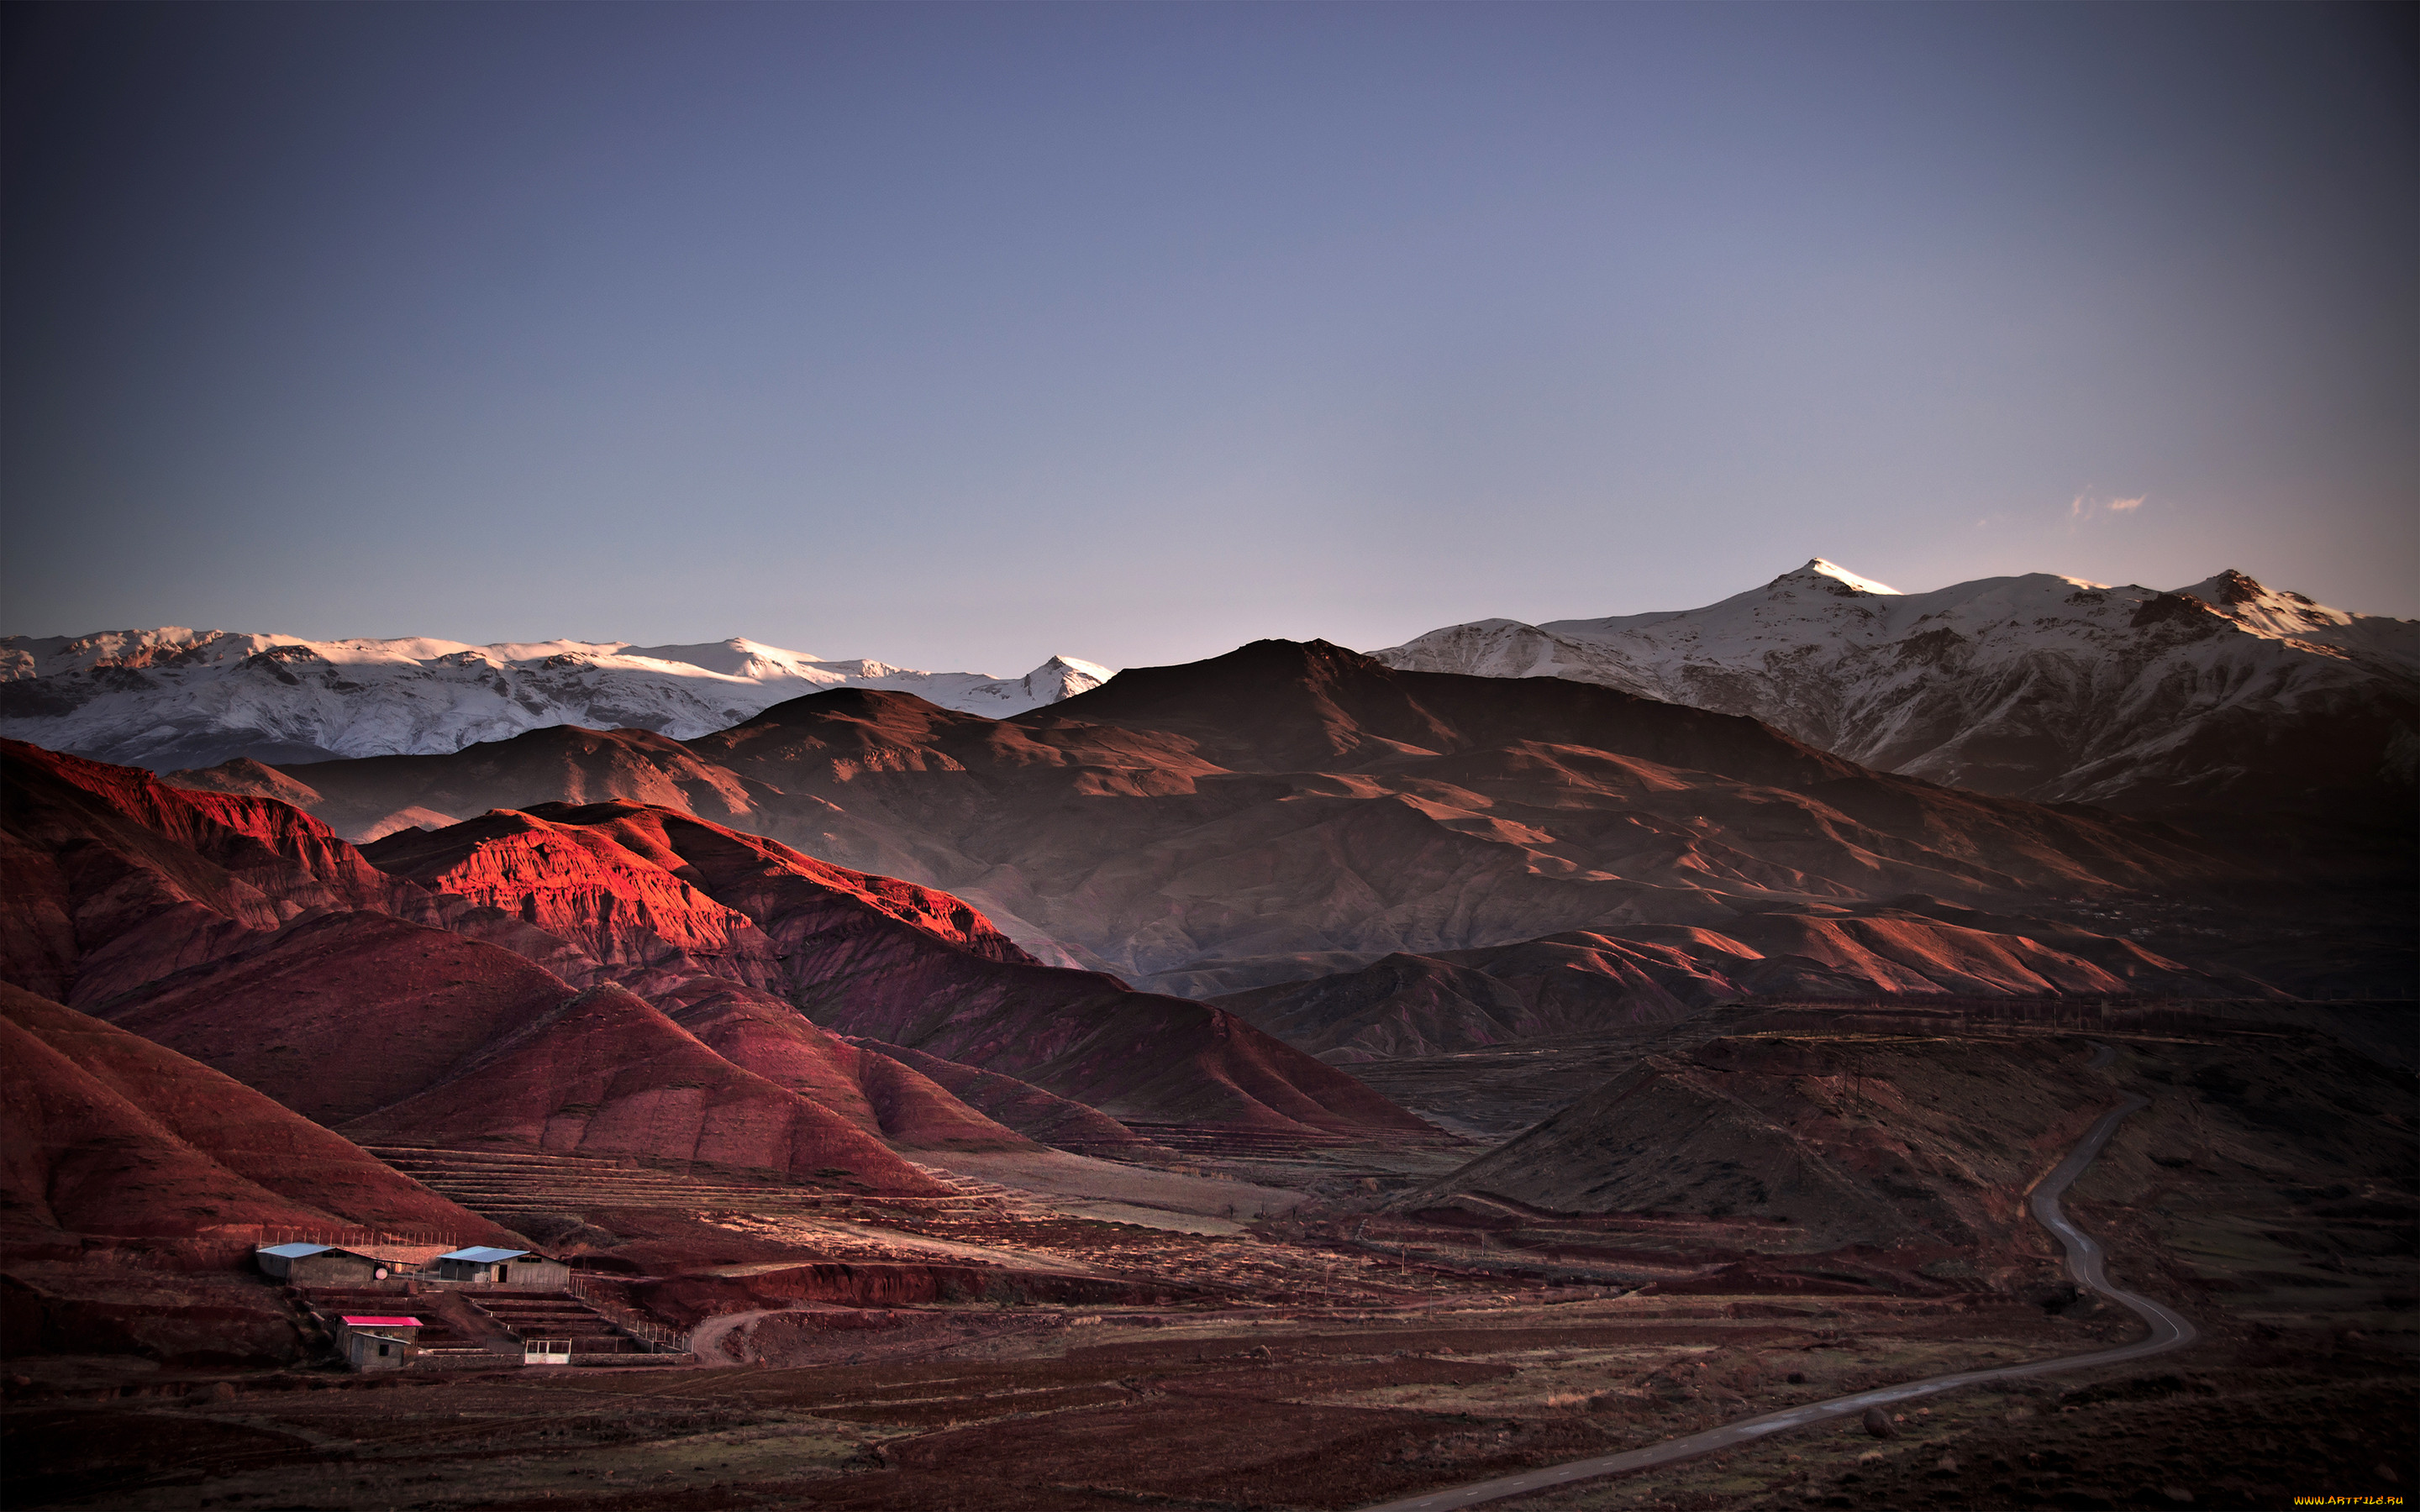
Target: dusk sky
[960,336]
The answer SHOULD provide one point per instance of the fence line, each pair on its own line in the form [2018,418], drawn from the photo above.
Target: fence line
[234,1243]
[655,1336]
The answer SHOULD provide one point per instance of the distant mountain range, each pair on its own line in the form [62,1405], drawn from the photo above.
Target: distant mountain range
[1288,810]
[2224,694]
[2036,686]
[1821,786]
[170,697]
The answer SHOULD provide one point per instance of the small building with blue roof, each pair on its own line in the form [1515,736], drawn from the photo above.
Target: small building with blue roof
[485,1265]
[322,1265]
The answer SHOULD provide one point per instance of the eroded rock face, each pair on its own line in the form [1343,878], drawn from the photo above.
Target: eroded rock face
[626,913]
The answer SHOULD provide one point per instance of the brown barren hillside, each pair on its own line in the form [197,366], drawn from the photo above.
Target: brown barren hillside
[116,877]
[1206,825]
[607,1074]
[108,1133]
[872,956]
[1290,807]
[467,998]
[1586,981]
[342,1014]
[559,763]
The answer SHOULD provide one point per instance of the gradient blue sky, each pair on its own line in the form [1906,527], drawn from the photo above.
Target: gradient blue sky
[960,336]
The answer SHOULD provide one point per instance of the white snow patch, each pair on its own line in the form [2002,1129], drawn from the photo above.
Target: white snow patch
[174,695]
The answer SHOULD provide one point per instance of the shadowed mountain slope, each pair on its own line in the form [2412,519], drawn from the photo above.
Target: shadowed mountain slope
[875,1091]
[1021,1105]
[1583,983]
[606,1073]
[110,1133]
[1212,826]
[1289,799]
[1915,1131]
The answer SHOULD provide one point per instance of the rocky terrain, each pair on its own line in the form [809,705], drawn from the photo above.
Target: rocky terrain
[1590,1070]
[170,697]
[2223,692]
[992,1349]
[1583,981]
[242,933]
[1288,809]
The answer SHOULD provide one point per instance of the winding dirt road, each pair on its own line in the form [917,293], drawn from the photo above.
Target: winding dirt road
[2084,1267]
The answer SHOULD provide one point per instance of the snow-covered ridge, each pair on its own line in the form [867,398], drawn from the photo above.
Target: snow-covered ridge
[173,698]
[2041,685]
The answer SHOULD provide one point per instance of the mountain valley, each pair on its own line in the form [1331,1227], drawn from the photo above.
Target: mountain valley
[1291,809]
[1357,1081]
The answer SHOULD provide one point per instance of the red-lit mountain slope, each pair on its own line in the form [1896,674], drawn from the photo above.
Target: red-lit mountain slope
[872,956]
[115,877]
[343,1013]
[1211,826]
[107,1133]
[464,1028]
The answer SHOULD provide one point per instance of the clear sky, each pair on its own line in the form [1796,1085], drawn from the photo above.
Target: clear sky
[960,336]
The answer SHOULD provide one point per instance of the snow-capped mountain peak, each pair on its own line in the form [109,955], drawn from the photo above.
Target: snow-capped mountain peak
[2037,684]
[174,697]
[1064,677]
[1823,573]
[735,657]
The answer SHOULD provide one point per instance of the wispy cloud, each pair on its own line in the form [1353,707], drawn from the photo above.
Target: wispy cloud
[2083,506]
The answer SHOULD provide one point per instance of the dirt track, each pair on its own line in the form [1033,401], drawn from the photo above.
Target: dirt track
[2085,1266]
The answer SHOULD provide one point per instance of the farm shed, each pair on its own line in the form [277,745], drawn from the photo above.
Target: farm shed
[321,1265]
[377,1341]
[485,1265]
